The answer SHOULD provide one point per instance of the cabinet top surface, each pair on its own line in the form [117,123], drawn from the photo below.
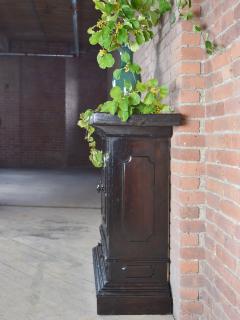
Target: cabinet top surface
[149,120]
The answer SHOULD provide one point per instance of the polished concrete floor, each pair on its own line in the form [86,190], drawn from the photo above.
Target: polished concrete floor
[48,225]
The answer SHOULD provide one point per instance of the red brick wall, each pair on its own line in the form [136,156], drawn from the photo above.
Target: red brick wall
[32,112]
[205,206]
[221,295]
[40,102]
[42,112]
[9,111]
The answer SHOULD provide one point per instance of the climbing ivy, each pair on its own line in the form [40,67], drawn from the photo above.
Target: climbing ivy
[134,68]
[124,23]
[96,156]
[145,98]
[210,46]
[186,13]
[130,23]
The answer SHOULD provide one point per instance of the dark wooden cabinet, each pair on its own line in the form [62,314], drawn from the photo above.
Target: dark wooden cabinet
[131,263]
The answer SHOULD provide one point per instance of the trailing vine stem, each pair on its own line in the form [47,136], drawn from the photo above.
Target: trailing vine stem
[129,23]
[185,13]
[95,156]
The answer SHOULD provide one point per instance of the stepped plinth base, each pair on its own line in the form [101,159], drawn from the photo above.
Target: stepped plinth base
[131,299]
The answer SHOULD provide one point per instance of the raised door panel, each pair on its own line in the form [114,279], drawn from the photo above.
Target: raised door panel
[137,212]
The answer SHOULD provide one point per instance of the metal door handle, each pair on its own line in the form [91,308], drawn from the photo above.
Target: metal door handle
[100,187]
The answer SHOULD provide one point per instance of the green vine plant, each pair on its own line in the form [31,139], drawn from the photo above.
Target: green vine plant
[129,23]
[185,13]
[145,98]
[134,68]
[124,23]
[210,46]
[95,156]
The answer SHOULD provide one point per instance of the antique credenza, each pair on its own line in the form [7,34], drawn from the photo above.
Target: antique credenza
[131,263]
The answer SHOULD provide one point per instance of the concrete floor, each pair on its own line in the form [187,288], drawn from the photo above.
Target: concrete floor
[48,225]
[50,188]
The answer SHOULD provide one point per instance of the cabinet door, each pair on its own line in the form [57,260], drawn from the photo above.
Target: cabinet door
[140,207]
